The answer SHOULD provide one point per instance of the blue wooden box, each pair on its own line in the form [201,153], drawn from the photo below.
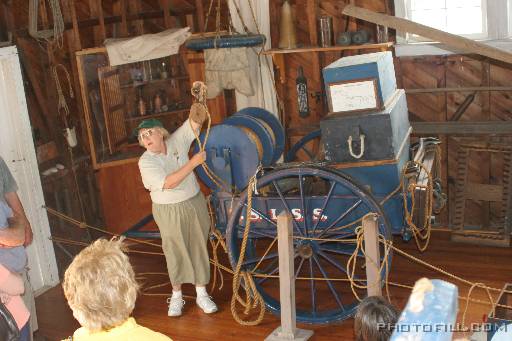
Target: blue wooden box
[436,321]
[371,175]
[367,137]
[345,82]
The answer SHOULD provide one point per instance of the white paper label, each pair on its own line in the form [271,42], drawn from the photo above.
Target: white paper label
[353,96]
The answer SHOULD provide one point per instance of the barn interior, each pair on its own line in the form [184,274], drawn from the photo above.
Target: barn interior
[401,105]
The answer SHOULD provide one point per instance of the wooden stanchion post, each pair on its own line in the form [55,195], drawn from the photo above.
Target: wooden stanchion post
[288,329]
[371,247]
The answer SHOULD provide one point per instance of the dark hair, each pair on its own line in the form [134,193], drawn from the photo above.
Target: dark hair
[375,319]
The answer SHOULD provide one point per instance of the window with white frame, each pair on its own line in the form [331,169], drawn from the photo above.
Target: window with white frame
[474,19]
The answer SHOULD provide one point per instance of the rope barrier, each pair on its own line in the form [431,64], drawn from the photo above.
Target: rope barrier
[354,282]
[253,298]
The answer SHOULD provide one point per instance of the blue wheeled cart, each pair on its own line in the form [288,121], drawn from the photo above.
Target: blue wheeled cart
[327,200]
[357,168]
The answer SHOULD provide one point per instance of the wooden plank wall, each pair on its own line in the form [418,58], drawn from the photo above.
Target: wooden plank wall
[412,73]
[460,71]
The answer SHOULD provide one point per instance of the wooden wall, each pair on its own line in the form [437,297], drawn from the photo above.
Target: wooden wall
[451,72]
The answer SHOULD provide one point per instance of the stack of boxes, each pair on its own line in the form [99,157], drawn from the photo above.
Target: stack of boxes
[366,133]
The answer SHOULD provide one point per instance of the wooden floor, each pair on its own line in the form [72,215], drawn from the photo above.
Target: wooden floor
[489,265]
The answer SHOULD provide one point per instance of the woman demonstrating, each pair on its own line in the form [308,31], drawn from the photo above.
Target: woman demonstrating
[179,207]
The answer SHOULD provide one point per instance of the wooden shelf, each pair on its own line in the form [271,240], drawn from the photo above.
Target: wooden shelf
[154,81]
[382,46]
[278,55]
[160,114]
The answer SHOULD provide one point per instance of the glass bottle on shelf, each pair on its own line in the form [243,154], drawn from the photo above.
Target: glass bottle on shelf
[163,71]
[147,72]
[157,105]
[141,104]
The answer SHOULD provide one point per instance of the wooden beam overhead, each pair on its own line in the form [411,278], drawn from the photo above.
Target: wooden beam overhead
[463,128]
[404,25]
[464,89]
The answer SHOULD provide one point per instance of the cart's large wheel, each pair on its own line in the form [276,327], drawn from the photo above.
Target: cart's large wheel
[308,148]
[323,202]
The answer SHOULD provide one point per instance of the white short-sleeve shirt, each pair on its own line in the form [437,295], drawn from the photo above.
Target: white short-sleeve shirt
[154,168]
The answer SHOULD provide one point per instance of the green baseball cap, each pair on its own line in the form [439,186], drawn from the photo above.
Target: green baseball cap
[146,124]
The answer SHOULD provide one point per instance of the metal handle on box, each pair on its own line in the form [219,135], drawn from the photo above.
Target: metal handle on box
[361,151]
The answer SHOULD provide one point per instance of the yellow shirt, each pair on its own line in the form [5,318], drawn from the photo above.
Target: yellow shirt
[128,331]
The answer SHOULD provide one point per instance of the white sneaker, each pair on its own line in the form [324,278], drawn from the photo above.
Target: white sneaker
[206,303]
[175,306]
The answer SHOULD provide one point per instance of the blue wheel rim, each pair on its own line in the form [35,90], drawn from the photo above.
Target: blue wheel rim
[257,127]
[226,41]
[273,122]
[243,151]
[301,145]
[323,253]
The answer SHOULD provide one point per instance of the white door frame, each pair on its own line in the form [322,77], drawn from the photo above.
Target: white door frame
[17,149]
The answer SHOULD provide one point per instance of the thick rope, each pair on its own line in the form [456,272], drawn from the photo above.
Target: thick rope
[424,233]
[493,305]
[252,296]
[215,234]
[199,93]
[352,263]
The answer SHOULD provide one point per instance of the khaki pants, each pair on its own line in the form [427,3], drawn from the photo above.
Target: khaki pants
[184,228]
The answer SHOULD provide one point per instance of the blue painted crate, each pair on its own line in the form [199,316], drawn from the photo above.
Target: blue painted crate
[436,319]
[373,66]
[384,133]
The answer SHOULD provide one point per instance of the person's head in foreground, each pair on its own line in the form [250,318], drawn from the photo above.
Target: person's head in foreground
[100,285]
[374,319]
